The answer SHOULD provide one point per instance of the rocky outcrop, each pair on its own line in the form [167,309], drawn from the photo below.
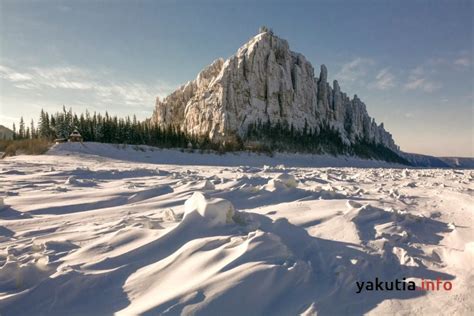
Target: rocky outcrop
[266,81]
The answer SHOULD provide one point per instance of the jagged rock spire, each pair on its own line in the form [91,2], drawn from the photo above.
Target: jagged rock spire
[266,81]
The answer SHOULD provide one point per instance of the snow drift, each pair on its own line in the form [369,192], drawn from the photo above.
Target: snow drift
[101,236]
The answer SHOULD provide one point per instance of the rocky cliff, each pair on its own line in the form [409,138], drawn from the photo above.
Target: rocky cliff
[266,81]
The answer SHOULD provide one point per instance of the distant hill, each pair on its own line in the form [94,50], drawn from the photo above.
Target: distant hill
[425,161]
[5,133]
[418,160]
[459,162]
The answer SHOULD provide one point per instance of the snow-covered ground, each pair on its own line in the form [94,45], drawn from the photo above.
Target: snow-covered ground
[97,230]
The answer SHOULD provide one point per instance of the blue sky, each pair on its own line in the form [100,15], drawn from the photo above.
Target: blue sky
[411,62]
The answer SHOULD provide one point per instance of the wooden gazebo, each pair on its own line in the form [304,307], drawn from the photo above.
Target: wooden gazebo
[75,136]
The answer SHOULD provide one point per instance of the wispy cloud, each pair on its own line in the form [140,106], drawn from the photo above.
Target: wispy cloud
[12,75]
[384,80]
[423,84]
[354,70]
[418,79]
[364,73]
[97,84]
[463,61]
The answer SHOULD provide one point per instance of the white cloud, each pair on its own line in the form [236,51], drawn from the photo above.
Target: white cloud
[384,80]
[463,62]
[354,70]
[96,84]
[358,70]
[12,75]
[419,80]
[422,84]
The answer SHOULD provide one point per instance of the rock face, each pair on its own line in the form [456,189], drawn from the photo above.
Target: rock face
[266,81]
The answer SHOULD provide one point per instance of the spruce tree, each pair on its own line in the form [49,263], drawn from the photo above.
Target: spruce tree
[32,129]
[21,132]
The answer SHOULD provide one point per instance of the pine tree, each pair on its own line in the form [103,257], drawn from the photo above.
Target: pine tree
[53,127]
[44,129]
[32,129]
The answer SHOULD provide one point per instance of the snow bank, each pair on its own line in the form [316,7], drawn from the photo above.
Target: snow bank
[148,154]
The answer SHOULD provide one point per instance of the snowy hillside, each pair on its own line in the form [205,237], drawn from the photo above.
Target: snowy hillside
[155,155]
[5,133]
[94,230]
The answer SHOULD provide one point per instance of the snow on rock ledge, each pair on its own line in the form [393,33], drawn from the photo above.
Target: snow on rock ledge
[216,212]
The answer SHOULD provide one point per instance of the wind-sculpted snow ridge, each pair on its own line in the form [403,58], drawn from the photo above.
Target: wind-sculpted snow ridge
[82,234]
[265,81]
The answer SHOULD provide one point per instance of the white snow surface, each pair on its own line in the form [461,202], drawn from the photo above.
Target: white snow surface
[95,229]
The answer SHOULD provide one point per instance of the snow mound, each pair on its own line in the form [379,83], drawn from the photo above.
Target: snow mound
[72,180]
[282,181]
[15,275]
[150,193]
[207,185]
[217,212]
[288,180]
[169,215]
[403,257]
